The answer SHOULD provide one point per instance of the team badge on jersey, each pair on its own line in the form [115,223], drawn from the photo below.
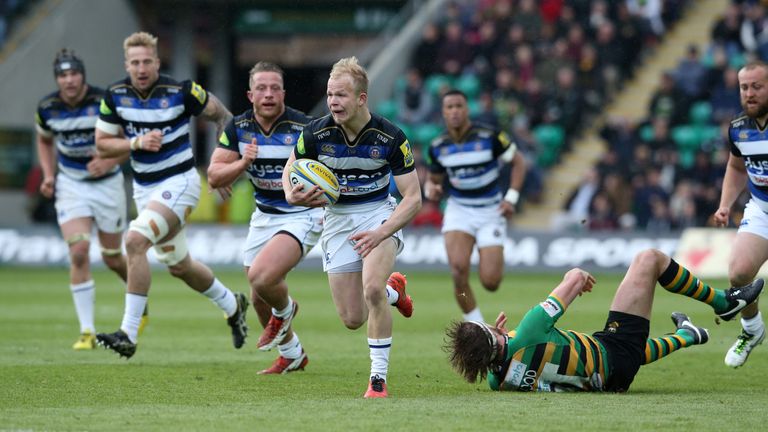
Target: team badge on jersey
[223,140]
[164,103]
[288,140]
[504,139]
[198,92]
[104,109]
[328,149]
[375,152]
[407,154]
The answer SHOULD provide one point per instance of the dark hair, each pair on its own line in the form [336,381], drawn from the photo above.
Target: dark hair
[67,60]
[455,92]
[469,350]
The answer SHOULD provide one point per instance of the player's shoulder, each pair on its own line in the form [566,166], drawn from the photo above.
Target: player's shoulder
[383,125]
[120,87]
[739,121]
[243,120]
[296,116]
[49,101]
[484,130]
[94,94]
[320,125]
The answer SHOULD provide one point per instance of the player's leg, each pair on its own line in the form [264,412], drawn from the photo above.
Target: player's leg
[491,267]
[347,293]
[686,334]
[749,252]
[376,269]
[458,247]
[267,279]
[76,233]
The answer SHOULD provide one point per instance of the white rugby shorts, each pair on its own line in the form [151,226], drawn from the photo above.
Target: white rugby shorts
[755,221]
[341,221]
[103,200]
[486,224]
[179,193]
[304,226]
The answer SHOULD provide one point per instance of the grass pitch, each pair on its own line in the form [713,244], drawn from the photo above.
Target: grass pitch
[186,375]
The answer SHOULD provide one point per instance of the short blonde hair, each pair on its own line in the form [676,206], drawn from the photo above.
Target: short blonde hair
[350,66]
[140,39]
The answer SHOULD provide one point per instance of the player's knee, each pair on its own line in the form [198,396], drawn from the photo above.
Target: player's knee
[374,296]
[460,271]
[78,254]
[260,279]
[647,258]
[491,283]
[136,243]
[352,323]
[179,270]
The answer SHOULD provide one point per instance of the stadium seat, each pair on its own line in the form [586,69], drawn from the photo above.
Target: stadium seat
[700,113]
[646,133]
[241,203]
[550,139]
[470,85]
[425,133]
[387,108]
[436,83]
[688,140]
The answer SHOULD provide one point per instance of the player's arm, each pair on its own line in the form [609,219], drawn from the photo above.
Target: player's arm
[216,112]
[733,183]
[516,179]
[295,195]
[47,158]
[575,282]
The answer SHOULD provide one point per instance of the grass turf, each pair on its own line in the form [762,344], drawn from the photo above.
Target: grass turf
[186,375]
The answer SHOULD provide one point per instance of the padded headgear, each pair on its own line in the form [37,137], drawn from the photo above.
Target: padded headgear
[67,60]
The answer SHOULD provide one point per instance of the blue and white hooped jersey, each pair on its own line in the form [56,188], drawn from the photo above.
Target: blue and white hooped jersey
[275,147]
[168,108]
[471,164]
[749,142]
[72,130]
[365,165]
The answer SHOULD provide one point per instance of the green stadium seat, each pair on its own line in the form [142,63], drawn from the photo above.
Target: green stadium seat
[700,113]
[387,108]
[688,141]
[435,83]
[241,203]
[470,85]
[550,139]
[424,134]
[646,133]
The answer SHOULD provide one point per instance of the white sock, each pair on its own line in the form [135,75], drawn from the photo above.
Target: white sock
[134,308]
[222,296]
[392,295]
[292,348]
[84,296]
[754,325]
[380,356]
[474,315]
[284,313]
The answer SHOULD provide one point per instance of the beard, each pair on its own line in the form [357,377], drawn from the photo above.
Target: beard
[757,112]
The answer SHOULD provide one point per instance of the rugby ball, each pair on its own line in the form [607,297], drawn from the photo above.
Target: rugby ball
[310,172]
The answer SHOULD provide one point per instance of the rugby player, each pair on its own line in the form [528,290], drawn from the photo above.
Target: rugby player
[362,231]
[148,115]
[259,142]
[537,356]
[470,155]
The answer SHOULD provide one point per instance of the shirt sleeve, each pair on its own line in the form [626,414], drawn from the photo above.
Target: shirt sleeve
[305,146]
[195,97]
[228,139]
[502,142]
[41,124]
[401,160]
[734,149]
[433,163]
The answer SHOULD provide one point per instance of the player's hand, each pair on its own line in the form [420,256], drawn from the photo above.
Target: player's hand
[365,241]
[224,192]
[250,153]
[432,191]
[98,167]
[501,322]
[585,280]
[151,141]
[47,187]
[722,216]
[507,209]
[313,197]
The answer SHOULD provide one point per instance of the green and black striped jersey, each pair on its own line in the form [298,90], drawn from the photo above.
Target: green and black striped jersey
[540,357]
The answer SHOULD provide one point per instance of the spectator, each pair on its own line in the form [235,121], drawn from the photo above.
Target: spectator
[414,102]
[669,102]
[725,97]
[425,55]
[690,74]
